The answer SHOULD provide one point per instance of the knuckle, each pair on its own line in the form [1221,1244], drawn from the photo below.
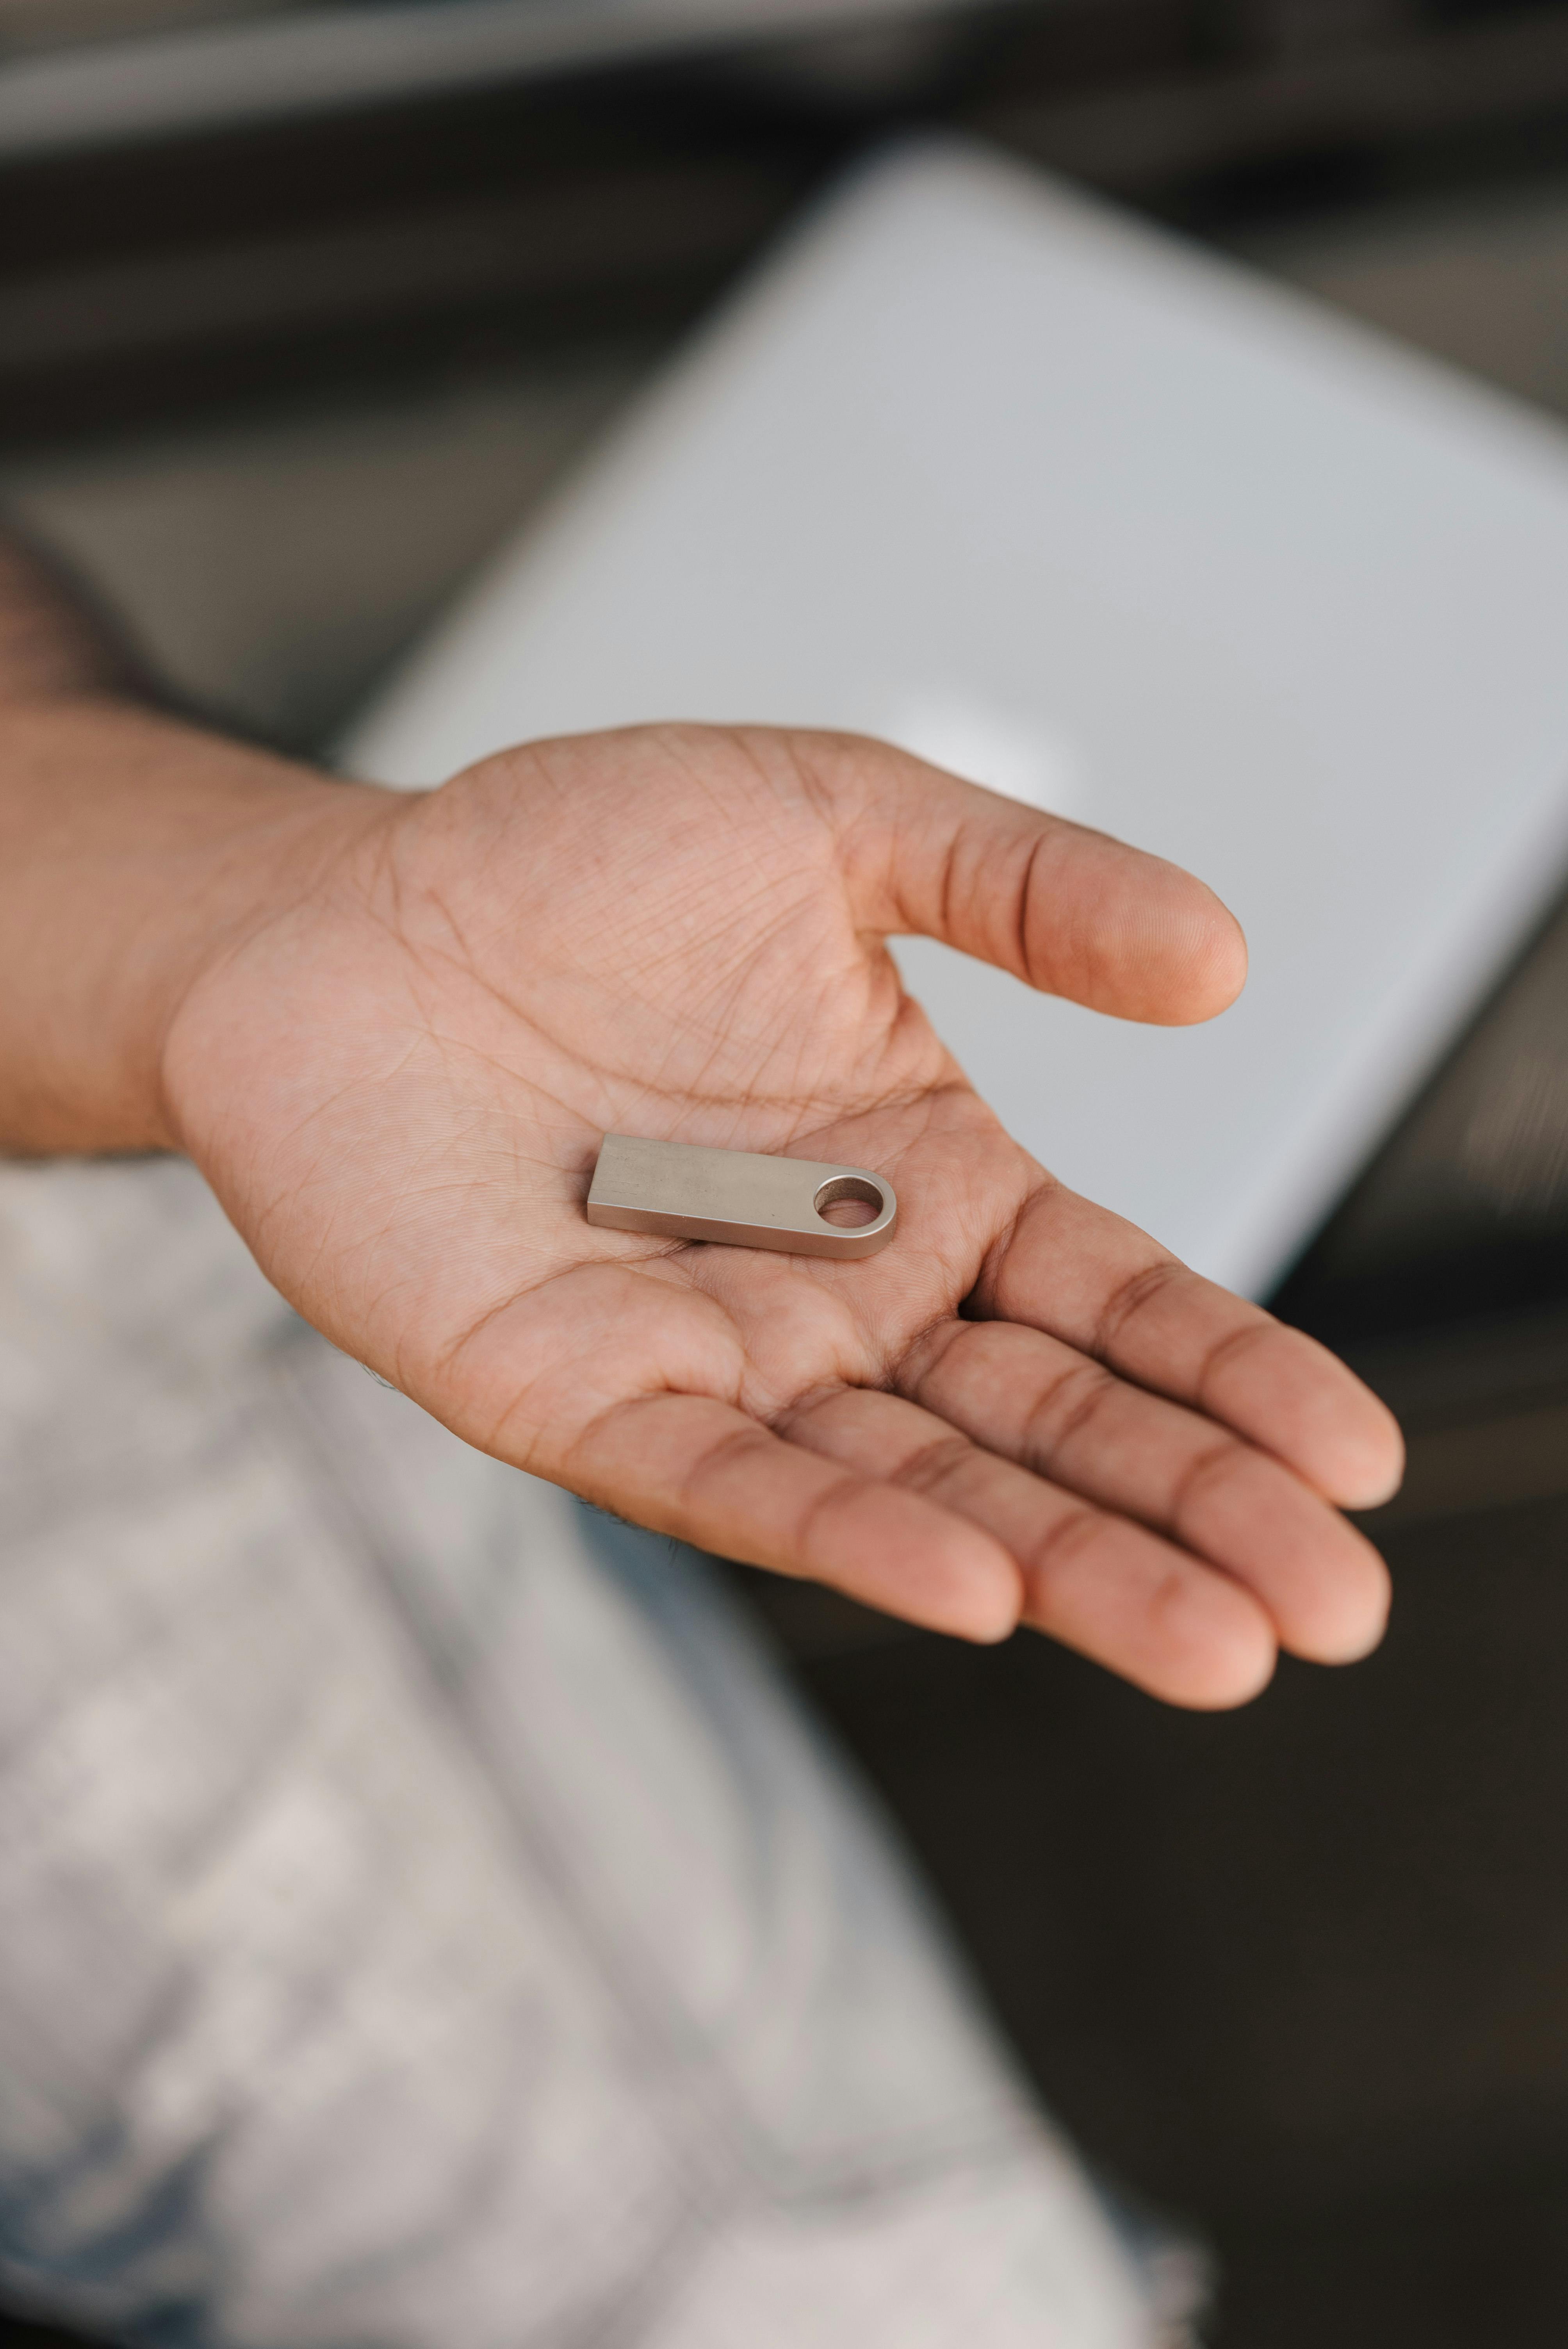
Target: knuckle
[1217,1463]
[934,1463]
[1063,1545]
[1226,1350]
[1133,1296]
[1070,1406]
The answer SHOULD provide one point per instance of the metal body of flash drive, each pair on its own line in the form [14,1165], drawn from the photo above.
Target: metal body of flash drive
[736,1197]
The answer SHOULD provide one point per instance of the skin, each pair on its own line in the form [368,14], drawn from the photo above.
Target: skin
[391,1029]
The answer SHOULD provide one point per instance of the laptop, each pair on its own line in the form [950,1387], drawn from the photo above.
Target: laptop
[980,464]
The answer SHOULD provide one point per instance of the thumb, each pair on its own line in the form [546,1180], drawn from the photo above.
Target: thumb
[1071,911]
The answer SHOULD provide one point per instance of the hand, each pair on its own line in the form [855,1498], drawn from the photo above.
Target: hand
[398,1077]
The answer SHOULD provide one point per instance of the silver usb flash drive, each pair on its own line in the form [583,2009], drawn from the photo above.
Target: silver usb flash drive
[738,1196]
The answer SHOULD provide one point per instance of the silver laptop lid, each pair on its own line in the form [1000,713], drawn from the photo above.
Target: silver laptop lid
[982,466]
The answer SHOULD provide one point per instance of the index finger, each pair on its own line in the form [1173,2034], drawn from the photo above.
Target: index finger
[1085,1276]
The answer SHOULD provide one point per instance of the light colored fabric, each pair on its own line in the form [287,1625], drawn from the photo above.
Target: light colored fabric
[425,1922]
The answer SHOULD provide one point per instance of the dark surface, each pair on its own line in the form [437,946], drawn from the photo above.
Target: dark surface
[1255,1958]
[1480,2265]
[1462,1215]
[1298,1974]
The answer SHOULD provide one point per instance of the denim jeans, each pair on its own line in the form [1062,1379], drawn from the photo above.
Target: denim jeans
[426,1921]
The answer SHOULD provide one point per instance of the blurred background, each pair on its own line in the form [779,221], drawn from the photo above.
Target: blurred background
[301,306]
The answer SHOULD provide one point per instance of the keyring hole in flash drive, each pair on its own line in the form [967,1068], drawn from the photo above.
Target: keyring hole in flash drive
[849,1201]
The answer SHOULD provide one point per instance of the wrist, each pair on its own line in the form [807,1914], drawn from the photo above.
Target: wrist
[136,854]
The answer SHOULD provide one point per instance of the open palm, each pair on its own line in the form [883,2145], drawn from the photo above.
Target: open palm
[1024,1409]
